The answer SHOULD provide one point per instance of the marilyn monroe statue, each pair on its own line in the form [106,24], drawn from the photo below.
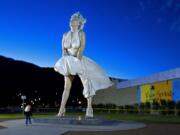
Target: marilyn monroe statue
[73,63]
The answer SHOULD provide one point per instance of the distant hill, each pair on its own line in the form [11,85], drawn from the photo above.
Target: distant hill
[19,77]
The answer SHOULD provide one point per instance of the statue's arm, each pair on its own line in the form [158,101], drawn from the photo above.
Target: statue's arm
[81,49]
[64,51]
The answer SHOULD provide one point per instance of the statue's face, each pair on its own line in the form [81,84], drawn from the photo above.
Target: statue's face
[74,25]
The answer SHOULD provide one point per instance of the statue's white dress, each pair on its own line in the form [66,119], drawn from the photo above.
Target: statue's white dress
[92,75]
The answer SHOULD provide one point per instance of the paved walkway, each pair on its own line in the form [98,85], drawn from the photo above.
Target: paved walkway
[18,127]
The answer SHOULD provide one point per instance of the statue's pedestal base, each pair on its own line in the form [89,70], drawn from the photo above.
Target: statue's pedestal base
[81,123]
[73,120]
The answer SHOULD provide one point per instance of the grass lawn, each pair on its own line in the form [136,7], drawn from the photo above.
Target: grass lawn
[141,118]
[109,116]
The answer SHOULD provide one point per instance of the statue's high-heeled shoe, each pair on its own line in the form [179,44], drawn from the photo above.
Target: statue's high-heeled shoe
[89,113]
[61,113]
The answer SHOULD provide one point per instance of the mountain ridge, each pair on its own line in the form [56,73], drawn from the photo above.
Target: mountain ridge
[23,78]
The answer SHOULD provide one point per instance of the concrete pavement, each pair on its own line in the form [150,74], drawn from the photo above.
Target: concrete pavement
[18,127]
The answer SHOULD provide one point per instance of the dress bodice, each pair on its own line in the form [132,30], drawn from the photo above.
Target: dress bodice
[72,42]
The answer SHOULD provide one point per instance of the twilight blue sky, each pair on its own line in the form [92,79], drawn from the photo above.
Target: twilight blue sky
[128,38]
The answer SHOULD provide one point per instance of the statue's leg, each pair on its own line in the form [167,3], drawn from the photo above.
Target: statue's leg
[65,96]
[89,109]
[87,95]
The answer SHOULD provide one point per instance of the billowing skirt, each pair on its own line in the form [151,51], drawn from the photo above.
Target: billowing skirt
[92,76]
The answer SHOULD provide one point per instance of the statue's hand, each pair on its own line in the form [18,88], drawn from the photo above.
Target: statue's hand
[79,57]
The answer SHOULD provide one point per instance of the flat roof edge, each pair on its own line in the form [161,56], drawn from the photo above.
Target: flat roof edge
[157,77]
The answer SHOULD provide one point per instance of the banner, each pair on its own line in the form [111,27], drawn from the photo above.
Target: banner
[156,91]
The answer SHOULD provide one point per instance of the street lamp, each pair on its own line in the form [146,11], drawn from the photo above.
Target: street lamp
[23,97]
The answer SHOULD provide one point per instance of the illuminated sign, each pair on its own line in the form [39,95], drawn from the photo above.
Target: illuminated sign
[156,91]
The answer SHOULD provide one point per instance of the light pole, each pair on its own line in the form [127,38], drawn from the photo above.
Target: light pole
[23,97]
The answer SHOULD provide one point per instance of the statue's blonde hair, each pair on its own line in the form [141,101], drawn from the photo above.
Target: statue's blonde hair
[77,16]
